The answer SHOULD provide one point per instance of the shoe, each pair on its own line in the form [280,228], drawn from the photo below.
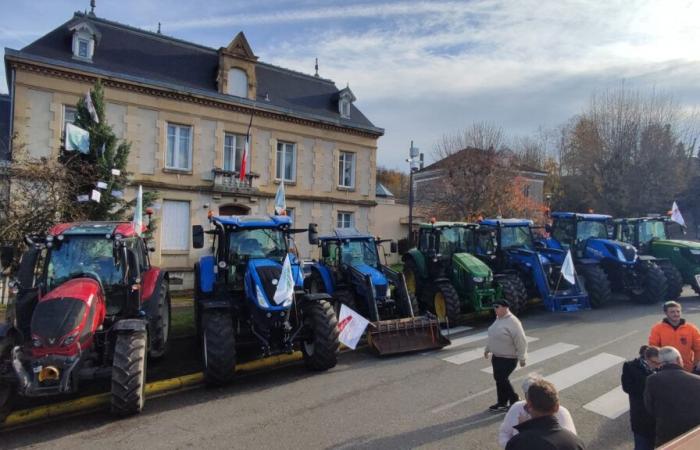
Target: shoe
[498,408]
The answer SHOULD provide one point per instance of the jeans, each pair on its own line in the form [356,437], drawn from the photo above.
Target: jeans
[502,368]
[642,442]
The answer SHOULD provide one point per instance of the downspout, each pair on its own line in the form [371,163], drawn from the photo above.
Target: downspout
[12,112]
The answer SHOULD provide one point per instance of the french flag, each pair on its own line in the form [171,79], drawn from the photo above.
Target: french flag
[244,158]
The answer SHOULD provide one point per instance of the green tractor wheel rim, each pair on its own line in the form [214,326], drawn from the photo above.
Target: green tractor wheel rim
[410,281]
[440,306]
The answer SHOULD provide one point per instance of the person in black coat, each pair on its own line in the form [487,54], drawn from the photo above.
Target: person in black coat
[543,432]
[634,376]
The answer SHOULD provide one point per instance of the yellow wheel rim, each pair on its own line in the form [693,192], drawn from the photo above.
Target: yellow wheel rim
[410,281]
[440,308]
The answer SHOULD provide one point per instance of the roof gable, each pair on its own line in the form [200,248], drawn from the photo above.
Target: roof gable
[240,48]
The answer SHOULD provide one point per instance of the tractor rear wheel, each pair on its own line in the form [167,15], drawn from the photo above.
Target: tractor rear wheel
[321,344]
[129,373]
[218,347]
[653,285]
[597,285]
[410,274]
[161,333]
[7,391]
[514,291]
[343,297]
[674,280]
[445,302]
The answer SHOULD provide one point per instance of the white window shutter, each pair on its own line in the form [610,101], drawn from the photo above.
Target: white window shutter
[176,225]
[237,83]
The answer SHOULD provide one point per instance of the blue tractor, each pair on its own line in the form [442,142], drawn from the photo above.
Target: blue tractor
[606,265]
[507,246]
[236,305]
[350,270]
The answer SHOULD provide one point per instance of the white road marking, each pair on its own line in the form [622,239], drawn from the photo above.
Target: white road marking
[471,397]
[542,354]
[471,355]
[585,369]
[619,338]
[611,405]
[454,330]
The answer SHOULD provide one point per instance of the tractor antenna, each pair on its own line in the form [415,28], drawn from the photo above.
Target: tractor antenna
[316,66]
[158,27]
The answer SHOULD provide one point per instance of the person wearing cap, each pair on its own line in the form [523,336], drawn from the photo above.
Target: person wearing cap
[507,346]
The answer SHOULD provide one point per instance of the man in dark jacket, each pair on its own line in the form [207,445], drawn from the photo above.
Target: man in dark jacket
[672,397]
[543,432]
[634,375]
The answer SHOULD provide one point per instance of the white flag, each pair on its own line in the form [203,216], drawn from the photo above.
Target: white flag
[91,108]
[96,196]
[77,139]
[280,203]
[351,326]
[285,285]
[567,269]
[116,172]
[138,213]
[676,215]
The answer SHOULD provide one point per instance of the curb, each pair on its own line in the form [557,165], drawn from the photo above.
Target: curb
[92,402]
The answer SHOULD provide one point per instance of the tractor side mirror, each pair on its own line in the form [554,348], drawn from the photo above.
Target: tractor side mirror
[313,234]
[7,254]
[394,247]
[197,236]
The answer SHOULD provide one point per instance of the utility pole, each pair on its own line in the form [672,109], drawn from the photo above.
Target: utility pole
[415,161]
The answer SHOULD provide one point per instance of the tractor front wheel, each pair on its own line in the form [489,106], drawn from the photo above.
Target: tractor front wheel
[674,280]
[161,333]
[129,373]
[445,302]
[597,285]
[653,287]
[218,347]
[514,291]
[320,345]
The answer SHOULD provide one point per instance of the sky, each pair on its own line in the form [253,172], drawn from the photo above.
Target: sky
[425,69]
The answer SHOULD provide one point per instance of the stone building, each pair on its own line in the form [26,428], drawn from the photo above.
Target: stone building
[186,109]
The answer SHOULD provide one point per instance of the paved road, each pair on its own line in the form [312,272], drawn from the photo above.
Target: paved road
[434,400]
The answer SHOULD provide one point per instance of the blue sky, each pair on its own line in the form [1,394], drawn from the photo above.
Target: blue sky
[423,69]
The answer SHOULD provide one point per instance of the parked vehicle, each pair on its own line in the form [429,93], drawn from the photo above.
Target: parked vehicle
[350,270]
[235,304]
[447,279]
[606,265]
[507,246]
[88,304]
[679,259]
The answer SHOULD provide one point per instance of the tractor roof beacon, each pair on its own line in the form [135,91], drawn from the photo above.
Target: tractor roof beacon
[239,302]
[87,304]
[350,269]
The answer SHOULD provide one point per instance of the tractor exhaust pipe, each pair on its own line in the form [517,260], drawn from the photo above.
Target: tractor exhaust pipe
[19,369]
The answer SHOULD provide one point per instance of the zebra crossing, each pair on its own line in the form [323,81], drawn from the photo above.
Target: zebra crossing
[611,404]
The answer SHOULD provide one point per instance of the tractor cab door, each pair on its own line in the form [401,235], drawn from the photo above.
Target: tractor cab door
[564,232]
[485,245]
[29,283]
[123,295]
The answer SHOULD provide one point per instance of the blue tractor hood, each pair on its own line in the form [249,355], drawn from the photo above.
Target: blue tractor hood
[261,280]
[378,278]
[611,249]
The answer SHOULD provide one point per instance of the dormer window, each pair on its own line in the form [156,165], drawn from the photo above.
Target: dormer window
[237,83]
[345,108]
[345,99]
[85,37]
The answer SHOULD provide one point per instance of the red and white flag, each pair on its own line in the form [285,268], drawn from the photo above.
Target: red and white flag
[351,326]
[244,158]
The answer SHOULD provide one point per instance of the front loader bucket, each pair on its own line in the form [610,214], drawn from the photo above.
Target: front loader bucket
[412,334]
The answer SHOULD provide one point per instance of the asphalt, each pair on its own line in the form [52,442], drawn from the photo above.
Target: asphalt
[410,401]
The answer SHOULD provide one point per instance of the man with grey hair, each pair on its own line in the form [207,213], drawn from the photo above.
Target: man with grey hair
[672,397]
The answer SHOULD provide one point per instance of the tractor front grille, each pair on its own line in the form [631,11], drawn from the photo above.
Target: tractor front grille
[270,277]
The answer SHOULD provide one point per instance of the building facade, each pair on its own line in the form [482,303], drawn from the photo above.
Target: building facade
[186,109]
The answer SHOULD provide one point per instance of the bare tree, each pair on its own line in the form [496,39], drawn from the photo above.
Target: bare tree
[483,135]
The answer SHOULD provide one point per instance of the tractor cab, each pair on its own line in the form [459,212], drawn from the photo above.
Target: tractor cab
[640,232]
[577,232]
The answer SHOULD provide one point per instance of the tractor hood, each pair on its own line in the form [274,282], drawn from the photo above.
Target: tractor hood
[262,278]
[611,249]
[378,278]
[472,265]
[676,243]
[81,289]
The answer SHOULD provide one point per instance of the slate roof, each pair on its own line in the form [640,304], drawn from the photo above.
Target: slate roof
[456,156]
[138,55]
[382,191]
[5,110]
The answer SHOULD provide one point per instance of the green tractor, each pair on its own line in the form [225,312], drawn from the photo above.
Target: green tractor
[680,260]
[447,280]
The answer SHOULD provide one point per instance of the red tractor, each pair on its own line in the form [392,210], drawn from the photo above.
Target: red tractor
[88,305]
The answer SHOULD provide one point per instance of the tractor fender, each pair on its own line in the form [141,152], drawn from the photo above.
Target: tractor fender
[130,325]
[418,259]
[325,274]
[152,284]
[206,274]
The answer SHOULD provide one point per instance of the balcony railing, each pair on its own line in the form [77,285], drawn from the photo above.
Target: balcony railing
[229,181]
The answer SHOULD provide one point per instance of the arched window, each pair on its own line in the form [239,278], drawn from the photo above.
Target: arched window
[237,83]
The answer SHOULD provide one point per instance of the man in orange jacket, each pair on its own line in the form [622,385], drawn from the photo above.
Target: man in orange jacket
[679,334]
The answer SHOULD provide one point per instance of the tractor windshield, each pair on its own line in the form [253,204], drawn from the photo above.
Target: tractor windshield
[650,230]
[257,243]
[354,252]
[84,254]
[454,240]
[519,237]
[591,229]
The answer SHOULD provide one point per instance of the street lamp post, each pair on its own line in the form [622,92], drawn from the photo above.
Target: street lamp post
[414,161]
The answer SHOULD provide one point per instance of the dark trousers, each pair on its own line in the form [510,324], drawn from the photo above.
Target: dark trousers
[642,442]
[502,368]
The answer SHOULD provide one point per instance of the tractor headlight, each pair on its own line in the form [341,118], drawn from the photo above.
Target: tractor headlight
[69,340]
[695,251]
[478,279]
[388,292]
[261,298]
[36,341]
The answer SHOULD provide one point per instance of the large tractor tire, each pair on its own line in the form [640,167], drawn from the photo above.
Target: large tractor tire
[343,297]
[218,347]
[674,280]
[129,373]
[8,391]
[515,291]
[597,285]
[410,274]
[444,302]
[161,332]
[653,287]
[320,345]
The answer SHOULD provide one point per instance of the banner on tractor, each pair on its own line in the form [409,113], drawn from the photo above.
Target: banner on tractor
[676,215]
[285,285]
[351,326]
[567,269]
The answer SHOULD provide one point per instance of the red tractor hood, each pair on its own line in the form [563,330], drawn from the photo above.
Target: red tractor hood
[78,288]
